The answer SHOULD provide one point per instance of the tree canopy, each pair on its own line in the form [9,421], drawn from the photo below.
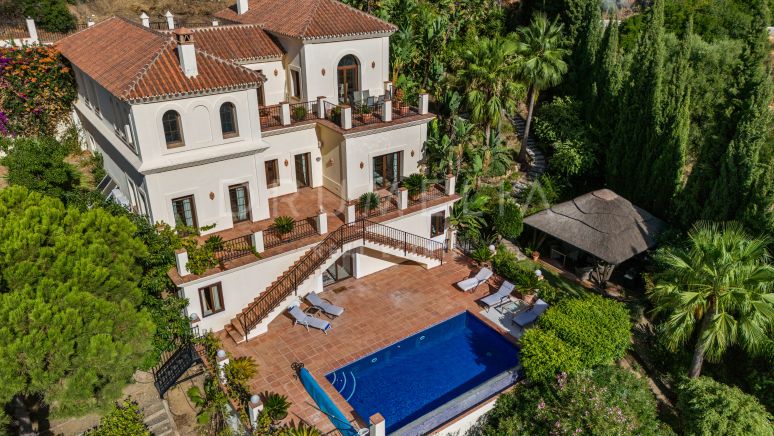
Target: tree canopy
[70,322]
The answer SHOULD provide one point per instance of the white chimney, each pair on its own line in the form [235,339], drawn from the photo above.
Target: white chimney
[170,20]
[90,21]
[242,6]
[145,19]
[186,51]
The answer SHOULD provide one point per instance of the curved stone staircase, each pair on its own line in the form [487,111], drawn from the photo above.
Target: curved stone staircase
[537,161]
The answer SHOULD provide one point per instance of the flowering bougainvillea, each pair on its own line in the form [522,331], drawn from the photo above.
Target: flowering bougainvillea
[36,90]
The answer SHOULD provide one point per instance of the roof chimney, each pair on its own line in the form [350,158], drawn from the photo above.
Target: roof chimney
[186,51]
[145,19]
[242,6]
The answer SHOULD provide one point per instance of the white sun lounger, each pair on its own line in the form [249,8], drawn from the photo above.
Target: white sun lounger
[530,315]
[472,283]
[503,295]
[324,305]
[308,320]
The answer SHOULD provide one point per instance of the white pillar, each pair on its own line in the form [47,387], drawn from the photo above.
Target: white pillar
[222,359]
[450,184]
[378,427]
[402,198]
[349,214]
[322,223]
[32,30]
[451,241]
[388,87]
[424,102]
[215,23]
[387,113]
[145,19]
[170,20]
[242,6]
[346,117]
[285,113]
[258,241]
[321,107]
[90,21]
[181,259]
[255,408]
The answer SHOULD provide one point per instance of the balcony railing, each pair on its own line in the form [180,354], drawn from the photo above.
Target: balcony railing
[235,248]
[387,203]
[271,116]
[303,228]
[304,111]
[366,114]
[434,192]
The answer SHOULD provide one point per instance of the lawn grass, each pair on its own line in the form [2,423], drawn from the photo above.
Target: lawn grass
[568,288]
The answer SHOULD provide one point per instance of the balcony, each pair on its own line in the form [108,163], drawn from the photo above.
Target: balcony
[373,112]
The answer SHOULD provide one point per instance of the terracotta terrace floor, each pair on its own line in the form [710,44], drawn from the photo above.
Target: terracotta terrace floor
[380,309]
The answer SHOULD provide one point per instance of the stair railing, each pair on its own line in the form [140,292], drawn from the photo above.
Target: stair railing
[317,256]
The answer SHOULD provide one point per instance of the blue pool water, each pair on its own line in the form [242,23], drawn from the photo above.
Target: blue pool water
[410,378]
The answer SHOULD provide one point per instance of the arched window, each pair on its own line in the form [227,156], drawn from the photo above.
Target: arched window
[228,120]
[173,129]
[348,73]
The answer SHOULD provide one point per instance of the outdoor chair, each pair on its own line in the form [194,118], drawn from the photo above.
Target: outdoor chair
[472,283]
[308,320]
[324,305]
[530,315]
[503,295]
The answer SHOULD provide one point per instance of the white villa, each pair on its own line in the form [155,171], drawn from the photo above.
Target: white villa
[280,109]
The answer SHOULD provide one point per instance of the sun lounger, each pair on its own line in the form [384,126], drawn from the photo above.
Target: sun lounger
[308,320]
[472,283]
[503,295]
[530,315]
[324,305]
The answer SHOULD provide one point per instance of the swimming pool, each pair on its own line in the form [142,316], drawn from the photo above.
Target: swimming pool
[412,382]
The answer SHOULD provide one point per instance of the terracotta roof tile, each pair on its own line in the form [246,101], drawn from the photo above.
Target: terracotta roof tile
[308,19]
[136,63]
[237,43]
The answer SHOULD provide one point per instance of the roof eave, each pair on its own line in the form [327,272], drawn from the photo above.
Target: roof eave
[197,93]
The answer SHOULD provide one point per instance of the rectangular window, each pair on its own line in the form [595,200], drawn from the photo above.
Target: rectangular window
[296,83]
[262,91]
[437,224]
[211,298]
[272,173]
[387,171]
[184,211]
[240,203]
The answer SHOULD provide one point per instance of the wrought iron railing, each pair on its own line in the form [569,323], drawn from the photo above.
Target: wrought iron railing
[320,253]
[235,248]
[402,110]
[387,203]
[434,192]
[365,114]
[271,116]
[303,111]
[303,228]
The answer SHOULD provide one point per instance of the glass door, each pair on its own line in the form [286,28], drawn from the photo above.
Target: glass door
[387,171]
[239,197]
[339,271]
[303,172]
[348,78]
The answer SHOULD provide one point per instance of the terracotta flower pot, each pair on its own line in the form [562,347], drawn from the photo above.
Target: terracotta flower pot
[535,255]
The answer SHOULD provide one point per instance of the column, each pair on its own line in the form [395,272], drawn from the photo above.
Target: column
[181,259]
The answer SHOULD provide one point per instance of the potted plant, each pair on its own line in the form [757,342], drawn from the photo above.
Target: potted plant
[416,184]
[535,255]
[276,405]
[336,114]
[397,100]
[299,113]
[284,225]
[366,113]
[482,255]
[368,202]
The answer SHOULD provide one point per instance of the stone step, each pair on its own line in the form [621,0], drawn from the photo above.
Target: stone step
[159,417]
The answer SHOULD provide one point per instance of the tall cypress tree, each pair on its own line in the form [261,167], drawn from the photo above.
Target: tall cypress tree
[609,73]
[585,54]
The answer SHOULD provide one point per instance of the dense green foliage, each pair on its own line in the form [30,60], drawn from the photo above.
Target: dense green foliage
[712,408]
[51,15]
[71,322]
[575,334]
[507,219]
[608,400]
[125,418]
[717,289]
[38,164]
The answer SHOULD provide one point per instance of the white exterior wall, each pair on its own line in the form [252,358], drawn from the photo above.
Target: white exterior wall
[364,148]
[275,86]
[333,161]
[284,147]
[326,55]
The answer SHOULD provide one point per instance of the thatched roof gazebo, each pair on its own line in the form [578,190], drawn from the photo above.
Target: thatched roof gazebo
[603,224]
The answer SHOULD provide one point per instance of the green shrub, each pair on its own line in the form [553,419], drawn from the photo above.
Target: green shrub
[125,418]
[543,355]
[299,113]
[284,224]
[368,201]
[38,164]
[599,327]
[481,255]
[276,405]
[712,408]
[508,219]
[416,184]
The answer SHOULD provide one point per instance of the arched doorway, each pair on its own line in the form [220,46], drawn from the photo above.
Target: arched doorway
[348,73]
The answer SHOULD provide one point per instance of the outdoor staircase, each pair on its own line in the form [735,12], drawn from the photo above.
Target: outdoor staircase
[537,161]
[254,319]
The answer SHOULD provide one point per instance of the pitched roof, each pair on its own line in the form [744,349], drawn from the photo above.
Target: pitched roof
[136,63]
[237,43]
[601,223]
[308,19]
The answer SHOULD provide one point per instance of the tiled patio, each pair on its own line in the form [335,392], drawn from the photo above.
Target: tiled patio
[380,309]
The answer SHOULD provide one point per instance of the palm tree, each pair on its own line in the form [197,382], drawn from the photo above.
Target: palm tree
[497,156]
[542,64]
[462,132]
[487,75]
[717,289]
